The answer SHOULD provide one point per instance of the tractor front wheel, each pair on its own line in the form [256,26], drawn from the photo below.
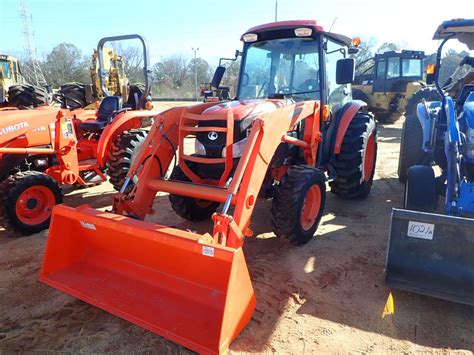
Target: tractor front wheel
[420,189]
[189,208]
[355,164]
[411,151]
[123,150]
[298,204]
[28,200]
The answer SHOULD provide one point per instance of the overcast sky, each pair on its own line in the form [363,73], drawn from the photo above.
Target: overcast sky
[215,26]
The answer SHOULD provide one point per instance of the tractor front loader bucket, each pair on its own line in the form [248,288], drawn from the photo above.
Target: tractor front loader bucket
[432,254]
[175,283]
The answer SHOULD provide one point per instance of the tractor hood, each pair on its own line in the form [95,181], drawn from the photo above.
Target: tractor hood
[243,109]
[15,123]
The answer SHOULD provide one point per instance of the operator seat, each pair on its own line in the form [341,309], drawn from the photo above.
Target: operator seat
[107,107]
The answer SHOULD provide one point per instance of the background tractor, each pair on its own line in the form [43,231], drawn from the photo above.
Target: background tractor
[291,127]
[388,81]
[213,91]
[431,253]
[47,147]
[411,149]
[14,91]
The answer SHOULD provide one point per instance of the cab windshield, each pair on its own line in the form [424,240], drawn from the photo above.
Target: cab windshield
[5,69]
[288,66]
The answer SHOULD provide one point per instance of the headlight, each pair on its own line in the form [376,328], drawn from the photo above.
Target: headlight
[199,148]
[237,149]
[470,143]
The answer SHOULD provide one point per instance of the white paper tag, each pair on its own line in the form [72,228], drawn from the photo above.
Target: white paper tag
[88,225]
[420,230]
[207,251]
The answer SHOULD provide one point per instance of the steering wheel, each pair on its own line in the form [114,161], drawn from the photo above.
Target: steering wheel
[309,85]
[62,99]
[286,90]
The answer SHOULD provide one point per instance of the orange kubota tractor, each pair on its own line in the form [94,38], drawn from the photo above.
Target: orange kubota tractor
[292,120]
[47,147]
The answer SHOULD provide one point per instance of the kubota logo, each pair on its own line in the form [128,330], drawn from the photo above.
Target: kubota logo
[13,128]
[212,136]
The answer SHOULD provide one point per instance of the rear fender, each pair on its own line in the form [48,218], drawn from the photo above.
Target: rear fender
[122,122]
[343,118]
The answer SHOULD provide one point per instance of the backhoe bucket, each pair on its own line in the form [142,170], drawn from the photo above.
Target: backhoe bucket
[432,254]
[166,280]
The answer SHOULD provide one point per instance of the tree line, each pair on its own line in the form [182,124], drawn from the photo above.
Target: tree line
[174,76]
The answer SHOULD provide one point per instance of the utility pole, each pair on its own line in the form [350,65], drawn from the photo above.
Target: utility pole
[32,70]
[195,74]
[276,10]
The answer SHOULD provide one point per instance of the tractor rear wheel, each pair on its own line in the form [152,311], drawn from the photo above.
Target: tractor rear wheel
[298,204]
[355,164]
[123,150]
[429,94]
[189,208]
[411,151]
[28,200]
[74,91]
[27,96]
[420,189]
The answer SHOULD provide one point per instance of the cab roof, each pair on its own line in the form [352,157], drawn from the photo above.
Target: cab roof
[462,29]
[285,25]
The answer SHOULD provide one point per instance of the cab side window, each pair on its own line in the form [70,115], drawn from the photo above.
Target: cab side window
[336,93]
[381,67]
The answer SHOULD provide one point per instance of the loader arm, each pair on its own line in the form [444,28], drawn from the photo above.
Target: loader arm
[267,132]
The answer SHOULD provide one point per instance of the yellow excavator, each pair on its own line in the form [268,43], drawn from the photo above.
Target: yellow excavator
[114,78]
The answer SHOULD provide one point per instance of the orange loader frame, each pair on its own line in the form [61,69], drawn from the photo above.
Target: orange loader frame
[192,288]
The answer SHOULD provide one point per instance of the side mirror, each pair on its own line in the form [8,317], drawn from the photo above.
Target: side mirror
[345,71]
[217,78]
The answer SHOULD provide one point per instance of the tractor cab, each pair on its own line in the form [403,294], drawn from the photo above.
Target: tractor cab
[390,71]
[393,71]
[388,81]
[295,60]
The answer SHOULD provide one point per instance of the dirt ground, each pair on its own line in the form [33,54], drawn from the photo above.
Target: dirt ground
[325,297]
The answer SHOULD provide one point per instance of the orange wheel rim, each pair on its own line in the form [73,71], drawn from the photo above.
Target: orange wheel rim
[34,205]
[369,158]
[311,206]
[203,203]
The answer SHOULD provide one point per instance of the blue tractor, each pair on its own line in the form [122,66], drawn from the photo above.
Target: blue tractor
[432,253]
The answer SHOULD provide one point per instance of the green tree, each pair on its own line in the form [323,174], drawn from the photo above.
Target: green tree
[66,63]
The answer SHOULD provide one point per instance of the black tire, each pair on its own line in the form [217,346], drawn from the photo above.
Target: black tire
[429,94]
[352,181]
[289,200]
[420,189]
[123,150]
[12,189]
[187,207]
[74,91]
[411,151]
[27,96]
[360,95]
